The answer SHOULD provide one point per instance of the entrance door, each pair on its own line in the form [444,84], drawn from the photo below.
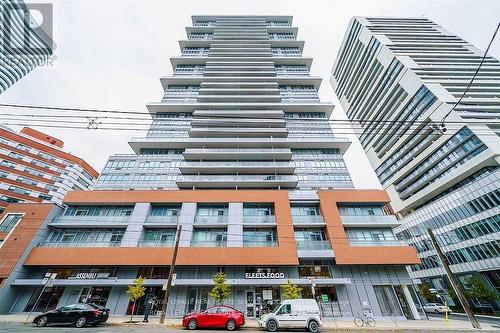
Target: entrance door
[403,302]
[95,295]
[250,303]
[197,300]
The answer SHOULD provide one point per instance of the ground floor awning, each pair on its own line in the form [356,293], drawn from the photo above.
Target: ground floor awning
[180,282]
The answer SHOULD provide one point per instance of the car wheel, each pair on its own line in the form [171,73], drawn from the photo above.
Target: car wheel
[313,326]
[272,326]
[81,322]
[42,321]
[231,325]
[192,324]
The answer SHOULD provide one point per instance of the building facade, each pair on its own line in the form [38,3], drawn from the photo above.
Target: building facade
[34,168]
[398,80]
[22,46]
[241,155]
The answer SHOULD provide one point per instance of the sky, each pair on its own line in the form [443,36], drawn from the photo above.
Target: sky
[110,55]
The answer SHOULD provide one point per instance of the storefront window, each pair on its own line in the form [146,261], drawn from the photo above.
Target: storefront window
[153,272]
[321,272]
[323,294]
[48,300]
[95,295]
[154,296]
[387,301]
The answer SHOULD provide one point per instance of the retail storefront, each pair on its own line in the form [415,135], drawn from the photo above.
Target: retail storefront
[340,291]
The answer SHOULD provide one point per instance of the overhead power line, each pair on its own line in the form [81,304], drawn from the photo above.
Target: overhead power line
[150,117]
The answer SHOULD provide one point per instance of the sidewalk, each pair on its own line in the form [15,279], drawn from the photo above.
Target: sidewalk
[434,325]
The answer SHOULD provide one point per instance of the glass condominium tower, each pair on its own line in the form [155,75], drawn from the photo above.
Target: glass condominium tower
[397,78]
[240,111]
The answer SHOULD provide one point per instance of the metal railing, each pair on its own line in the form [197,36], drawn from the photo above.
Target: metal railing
[155,243]
[376,242]
[208,243]
[257,243]
[80,244]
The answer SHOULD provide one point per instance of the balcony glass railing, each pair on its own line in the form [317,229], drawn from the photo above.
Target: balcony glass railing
[80,244]
[313,245]
[259,219]
[208,243]
[155,243]
[257,243]
[167,219]
[210,219]
[376,242]
[313,219]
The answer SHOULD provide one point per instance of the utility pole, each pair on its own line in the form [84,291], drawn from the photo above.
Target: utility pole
[454,282]
[170,274]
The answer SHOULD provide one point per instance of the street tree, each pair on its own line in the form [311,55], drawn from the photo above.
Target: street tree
[290,290]
[221,290]
[134,292]
[479,290]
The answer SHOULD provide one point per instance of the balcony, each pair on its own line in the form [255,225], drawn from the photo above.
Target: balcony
[233,167]
[257,243]
[90,220]
[161,220]
[210,219]
[310,245]
[376,242]
[80,244]
[240,181]
[259,219]
[354,221]
[237,154]
[155,244]
[308,219]
[240,132]
[208,243]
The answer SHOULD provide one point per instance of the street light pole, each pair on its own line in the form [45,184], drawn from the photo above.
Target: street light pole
[170,274]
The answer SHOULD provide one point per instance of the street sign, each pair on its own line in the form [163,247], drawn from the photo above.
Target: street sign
[174,276]
[312,280]
[164,287]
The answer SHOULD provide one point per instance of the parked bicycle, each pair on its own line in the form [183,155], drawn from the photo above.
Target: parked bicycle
[363,320]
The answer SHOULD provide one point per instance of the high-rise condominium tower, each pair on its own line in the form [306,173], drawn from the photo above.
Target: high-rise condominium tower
[397,80]
[241,154]
[23,44]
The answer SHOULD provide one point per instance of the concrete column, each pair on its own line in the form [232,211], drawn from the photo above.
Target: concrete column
[134,229]
[186,219]
[411,303]
[235,225]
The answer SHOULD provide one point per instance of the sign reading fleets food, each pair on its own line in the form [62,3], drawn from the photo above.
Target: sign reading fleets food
[265,275]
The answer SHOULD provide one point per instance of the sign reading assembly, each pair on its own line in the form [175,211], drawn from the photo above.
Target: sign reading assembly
[267,275]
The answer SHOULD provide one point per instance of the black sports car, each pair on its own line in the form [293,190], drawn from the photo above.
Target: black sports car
[79,314]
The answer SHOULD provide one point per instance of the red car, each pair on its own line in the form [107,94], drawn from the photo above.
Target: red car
[215,317]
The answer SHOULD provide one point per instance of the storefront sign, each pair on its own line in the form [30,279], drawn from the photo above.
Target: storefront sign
[91,276]
[266,275]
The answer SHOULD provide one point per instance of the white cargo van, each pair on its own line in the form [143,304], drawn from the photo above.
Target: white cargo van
[293,313]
